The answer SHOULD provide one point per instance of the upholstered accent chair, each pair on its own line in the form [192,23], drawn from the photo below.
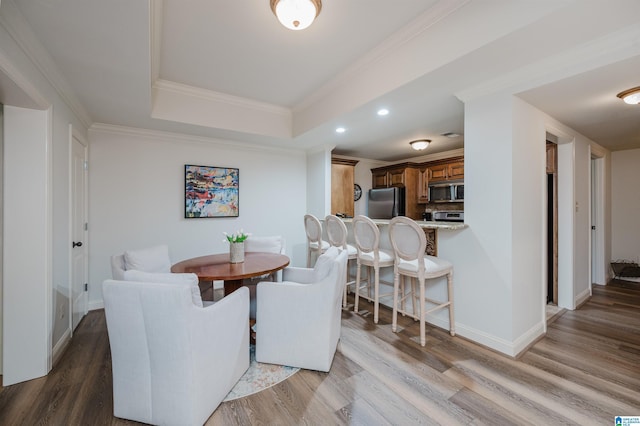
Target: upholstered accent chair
[298,319]
[173,361]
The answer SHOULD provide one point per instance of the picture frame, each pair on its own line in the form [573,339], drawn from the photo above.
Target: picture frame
[211,191]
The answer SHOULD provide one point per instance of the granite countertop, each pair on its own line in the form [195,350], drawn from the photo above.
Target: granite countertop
[451,226]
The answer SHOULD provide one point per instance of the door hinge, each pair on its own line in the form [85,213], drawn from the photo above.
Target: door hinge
[86,287]
[86,165]
[86,226]
[593,227]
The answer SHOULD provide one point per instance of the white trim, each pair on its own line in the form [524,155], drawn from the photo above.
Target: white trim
[221,98]
[387,48]
[583,296]
[95,305]
[605,50]
[7,68]
[162,136]
[61,345]
[155,34]
[75,133]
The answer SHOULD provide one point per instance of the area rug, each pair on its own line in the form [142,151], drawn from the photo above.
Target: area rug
[258,377]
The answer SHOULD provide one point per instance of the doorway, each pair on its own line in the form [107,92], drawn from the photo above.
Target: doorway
[79,258]
[552,224]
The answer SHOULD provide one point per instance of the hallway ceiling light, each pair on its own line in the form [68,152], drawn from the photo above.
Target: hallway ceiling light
[631,96]
[420,144]
[296,14]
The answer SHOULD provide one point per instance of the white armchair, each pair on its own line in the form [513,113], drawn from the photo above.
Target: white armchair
[172,361]
[298,319]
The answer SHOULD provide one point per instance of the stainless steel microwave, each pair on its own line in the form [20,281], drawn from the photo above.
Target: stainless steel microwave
[446,192]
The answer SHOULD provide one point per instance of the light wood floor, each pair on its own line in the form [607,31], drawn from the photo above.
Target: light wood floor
[585,371]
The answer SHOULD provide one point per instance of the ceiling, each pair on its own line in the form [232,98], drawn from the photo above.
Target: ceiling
[229,70]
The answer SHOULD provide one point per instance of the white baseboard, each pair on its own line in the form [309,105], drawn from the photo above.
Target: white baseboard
[583,297]
[61,345]
[95,304]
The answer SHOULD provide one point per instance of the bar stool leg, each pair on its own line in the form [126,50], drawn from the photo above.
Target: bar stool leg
[452,324]
[396,285]
[423,336]
[357,289]
[376,293]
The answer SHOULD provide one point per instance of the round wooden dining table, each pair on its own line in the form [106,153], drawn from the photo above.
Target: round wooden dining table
[216,267]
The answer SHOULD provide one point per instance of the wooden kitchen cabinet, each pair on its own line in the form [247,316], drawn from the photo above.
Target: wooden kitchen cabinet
[403,175]
[342,181]
[446,170]
[438,171]
[455,170]
[423,186]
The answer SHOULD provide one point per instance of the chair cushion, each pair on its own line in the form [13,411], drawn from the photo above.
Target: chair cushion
[314,245]
[324,263]
[386,256]
[167,278]
[152,259]
[432,265]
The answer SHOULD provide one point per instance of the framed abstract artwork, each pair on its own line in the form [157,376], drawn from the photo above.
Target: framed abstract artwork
[211,191]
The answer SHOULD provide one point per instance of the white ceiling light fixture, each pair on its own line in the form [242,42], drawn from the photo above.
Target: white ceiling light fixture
[420,144]
[340,130]
[296,14]
[631,96]
[383,111]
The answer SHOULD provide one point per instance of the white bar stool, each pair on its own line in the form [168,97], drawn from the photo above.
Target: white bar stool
[315,243]
[337,236]
[409,245]
[367,236]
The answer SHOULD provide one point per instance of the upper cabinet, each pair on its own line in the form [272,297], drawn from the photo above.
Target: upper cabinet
[449,170]
[342,181]
[438,171]
[396,175]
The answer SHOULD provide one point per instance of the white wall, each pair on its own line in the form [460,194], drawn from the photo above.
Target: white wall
[136,196]
[499,262]
[625,205]
[318,192]
[44,93]
[27,231]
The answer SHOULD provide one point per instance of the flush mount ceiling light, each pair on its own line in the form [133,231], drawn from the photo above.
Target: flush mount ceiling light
[631,96]
[420,144]
[296,14]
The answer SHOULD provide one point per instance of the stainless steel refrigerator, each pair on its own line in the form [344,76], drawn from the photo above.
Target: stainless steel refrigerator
[385,203]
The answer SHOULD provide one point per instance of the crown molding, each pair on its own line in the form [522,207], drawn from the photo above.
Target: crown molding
[155,36]
[12,20]
[27,96]
[390,46]
[172,137]
[596,53]
[218,97]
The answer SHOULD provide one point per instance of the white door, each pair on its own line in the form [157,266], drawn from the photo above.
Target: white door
[79,294]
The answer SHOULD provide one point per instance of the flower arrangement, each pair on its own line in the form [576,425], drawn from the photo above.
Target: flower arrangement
[237,237]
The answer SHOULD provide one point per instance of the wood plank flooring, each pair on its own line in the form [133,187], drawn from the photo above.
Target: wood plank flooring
[585,371]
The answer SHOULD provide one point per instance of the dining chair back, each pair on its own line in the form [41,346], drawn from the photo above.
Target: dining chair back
[367,237]
[409,244]
[267,244]
[315,243]
[337,236]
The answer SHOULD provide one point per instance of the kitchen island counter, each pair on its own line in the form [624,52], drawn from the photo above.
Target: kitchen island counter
[451,226]
[430,230]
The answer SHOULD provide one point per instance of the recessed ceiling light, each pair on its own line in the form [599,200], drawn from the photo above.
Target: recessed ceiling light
[341,130]
[383,111]
[451,135]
